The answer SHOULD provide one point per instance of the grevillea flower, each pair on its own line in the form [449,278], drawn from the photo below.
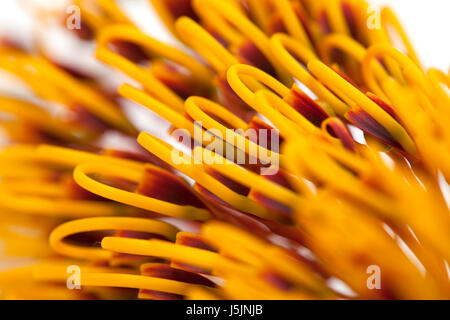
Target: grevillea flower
[360,132]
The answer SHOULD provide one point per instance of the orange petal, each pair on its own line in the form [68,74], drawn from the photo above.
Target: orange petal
[250,54]
[164,271]
[365,122]
[180,8]
[306,106]
[194,241]
[339,130]
[163,185]
[177,79]
[281,179]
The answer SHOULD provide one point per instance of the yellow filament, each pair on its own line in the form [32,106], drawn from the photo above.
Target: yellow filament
[165,15]
[111,277]
[149,82]
[177,119]
[397,56]
[95,20]
[193,109]
[35,188]
[135,281]
[335,16]
[293,24]
[103,224]
[69,87]
[234,79]
[351,47]
[56,270]
[152,46]
[156,248]
[40,118]
[72,158]
[395,129]
[207,46]
[195,170]
[281,46]
[81,176]
[201,41]
[260,11]
[246,27]
[98,13]
[252,180]
[279,112]
[60,207]
[388,17]
[233,240]
[113,11]
[194,106]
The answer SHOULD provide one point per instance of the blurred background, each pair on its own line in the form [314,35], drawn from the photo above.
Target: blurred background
[35,23]
[38,23]
[426,22]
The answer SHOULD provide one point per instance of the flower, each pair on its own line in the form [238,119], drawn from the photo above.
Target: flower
[153,217]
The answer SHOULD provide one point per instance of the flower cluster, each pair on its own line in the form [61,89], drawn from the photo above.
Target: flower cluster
[360,183]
